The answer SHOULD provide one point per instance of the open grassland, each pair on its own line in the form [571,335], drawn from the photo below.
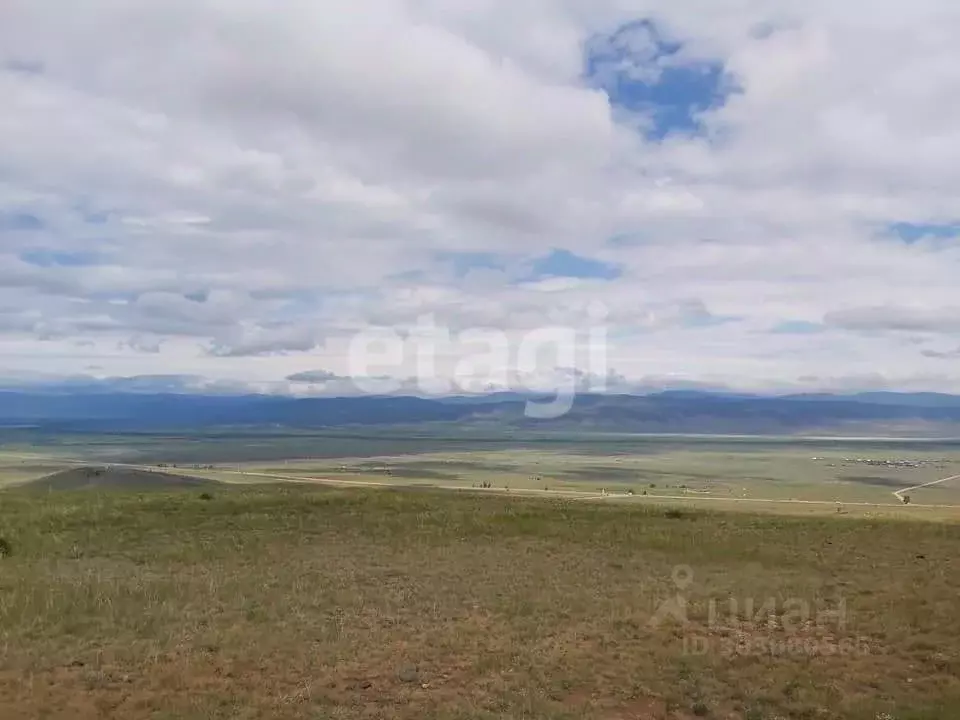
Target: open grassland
[782,476]
[305,602]
[18,468]
[265,446]
[777,473]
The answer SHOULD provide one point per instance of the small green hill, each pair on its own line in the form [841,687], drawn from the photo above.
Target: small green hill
[113,478]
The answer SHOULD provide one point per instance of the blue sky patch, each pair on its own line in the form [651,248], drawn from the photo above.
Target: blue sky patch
[912,232]
[797,327]
[644,72]
[55,258]
[563,263]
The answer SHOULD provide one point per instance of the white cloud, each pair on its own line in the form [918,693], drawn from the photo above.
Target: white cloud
[250,182]
[902,318]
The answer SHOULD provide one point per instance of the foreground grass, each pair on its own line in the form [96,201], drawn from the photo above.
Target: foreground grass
[307,603]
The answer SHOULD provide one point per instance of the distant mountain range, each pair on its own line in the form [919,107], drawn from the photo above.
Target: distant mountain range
[683,411]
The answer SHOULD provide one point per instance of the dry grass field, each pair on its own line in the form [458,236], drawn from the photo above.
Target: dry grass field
[305,602]
[777,472]
[796,478]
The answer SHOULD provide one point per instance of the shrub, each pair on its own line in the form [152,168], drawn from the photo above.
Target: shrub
[206,496]
[5,547]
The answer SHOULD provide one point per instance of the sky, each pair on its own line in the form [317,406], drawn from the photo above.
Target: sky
[744,194]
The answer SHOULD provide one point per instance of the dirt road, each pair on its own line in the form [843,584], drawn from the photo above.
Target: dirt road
[898,494]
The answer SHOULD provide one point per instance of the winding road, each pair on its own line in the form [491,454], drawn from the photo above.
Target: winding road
[900,493]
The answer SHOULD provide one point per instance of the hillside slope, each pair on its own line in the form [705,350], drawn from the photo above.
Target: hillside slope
[111,478]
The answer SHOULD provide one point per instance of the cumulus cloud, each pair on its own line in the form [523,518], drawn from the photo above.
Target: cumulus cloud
[942,354]
[312,376]
[143,384]
[898,318]
[293,175]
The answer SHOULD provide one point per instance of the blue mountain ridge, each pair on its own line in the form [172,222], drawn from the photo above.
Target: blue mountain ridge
[670,411]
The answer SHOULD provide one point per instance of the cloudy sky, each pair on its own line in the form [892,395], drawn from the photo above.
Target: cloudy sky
[757,194]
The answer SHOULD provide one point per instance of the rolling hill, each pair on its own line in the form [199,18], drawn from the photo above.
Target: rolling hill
[112,478]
